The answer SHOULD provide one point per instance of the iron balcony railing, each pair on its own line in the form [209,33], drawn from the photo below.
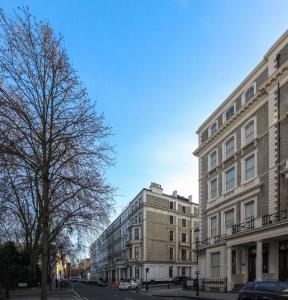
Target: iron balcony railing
[275,217]
[254,223]
[247,225]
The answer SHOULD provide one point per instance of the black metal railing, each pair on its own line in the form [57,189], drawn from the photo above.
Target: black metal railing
[212,241]
[211,284]
[250,224]
[275,217]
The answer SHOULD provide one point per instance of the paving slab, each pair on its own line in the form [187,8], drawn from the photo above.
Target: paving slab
[61,294]
[180,293]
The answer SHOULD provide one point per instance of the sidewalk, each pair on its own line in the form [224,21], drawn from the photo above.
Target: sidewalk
[34,294]
[179,292]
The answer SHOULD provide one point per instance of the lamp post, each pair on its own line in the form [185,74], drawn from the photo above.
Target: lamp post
[197,259]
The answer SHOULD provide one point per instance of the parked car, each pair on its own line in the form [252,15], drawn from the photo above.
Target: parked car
[180,279]
[101,283]
[128,285]
[74,279]
[268,290]
[64,284]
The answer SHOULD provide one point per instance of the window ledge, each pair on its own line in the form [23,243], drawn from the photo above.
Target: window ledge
[255,142]
[250,181]
[234,156]
[213,169]
[229,192]
[234,193]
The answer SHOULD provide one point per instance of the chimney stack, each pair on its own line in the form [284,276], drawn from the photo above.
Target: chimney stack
[156,188]
[174,194]
[190,198]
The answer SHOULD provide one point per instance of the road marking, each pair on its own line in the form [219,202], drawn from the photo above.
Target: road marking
[76,293]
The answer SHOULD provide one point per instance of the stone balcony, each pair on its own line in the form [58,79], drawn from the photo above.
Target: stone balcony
[252,225]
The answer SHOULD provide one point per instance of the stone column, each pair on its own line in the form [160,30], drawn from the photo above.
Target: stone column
[259,260]
[229,269]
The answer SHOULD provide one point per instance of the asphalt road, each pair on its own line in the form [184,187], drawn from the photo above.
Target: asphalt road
[92,292]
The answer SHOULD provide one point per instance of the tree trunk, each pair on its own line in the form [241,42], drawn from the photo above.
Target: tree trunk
[44,260]
[33,268]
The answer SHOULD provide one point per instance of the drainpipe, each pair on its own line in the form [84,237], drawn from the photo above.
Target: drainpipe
[278,139]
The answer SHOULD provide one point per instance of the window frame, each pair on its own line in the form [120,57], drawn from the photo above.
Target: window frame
[226,111]
[218,266]
[171,231]
[243,127]
[171,217]
[182,253]
[210,223]
[223,225]
[183,221]
[210,126]
[243,100]
[243,167]
[171,252]
[184,209]
[209,159]
[243,203]
[224,178]
[224,146]
[182,235]
[136,228]
[209,188]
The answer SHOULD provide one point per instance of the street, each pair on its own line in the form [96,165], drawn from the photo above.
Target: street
[93,292]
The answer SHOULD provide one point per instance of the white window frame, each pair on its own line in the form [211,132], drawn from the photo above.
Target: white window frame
[243,142]
[243,171]
[209,128]
[223,225]
[209,159]
[224,114]
[243,208]
[211,267]
[224,179]
[209,188]
[209,225]
[224,146]
[243,100]
[134,235]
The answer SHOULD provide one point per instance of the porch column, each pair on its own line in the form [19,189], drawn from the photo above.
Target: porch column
[259,260]
[229,269]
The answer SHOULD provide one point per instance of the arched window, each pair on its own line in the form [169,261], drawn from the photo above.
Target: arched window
[249,93]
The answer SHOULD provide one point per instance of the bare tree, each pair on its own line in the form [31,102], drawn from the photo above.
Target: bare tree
[51,132]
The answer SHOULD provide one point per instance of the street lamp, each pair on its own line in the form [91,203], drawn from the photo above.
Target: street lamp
[197,257]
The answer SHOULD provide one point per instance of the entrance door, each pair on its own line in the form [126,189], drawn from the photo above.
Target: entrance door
[252,263]
[283,260]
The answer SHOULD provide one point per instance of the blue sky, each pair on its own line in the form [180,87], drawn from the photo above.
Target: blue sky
[157,69]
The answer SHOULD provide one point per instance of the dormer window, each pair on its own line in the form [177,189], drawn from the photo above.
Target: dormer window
[229,113]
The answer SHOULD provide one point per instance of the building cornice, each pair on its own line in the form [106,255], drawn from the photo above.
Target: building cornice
[262,90]
[242,84]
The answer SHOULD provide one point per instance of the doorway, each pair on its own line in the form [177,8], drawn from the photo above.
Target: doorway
[283,260]
[252,263]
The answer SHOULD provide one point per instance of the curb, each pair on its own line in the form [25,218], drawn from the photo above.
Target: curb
[183,296]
